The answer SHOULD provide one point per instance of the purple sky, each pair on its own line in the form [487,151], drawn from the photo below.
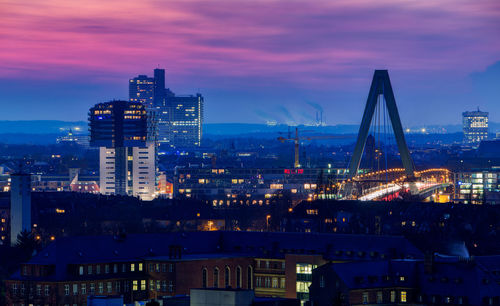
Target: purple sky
[253,60]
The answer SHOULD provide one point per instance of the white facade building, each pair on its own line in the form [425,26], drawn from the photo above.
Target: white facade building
[139,165]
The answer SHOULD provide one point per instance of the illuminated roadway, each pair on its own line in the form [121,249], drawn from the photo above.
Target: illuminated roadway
[427,182]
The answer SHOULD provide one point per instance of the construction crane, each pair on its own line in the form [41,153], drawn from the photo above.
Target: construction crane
[296,140]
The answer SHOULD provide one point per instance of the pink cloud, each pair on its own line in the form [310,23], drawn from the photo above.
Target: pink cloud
[308,43]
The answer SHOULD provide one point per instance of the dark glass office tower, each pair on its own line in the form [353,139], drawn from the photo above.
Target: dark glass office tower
[159,87]
[141,89]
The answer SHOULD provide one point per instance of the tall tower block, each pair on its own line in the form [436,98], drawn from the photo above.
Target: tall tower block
[20,205]
[159,87]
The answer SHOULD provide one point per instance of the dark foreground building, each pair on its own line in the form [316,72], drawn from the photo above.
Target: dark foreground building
[146,266]
[434,281]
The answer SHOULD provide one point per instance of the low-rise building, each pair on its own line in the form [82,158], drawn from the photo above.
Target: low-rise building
[225,186]
[481,186]
[146,266]
[435,281]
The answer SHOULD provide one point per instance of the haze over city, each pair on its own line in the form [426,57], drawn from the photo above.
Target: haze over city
[270,58]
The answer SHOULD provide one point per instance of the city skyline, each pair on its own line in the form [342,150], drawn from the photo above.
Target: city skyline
[250,152]
[276,60]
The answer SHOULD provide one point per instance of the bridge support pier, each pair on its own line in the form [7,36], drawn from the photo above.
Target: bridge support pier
[381,85]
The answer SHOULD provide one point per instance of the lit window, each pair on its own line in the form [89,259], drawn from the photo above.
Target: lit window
[134,285]
[365,297]
[302,286]
[403,296]
[132,267]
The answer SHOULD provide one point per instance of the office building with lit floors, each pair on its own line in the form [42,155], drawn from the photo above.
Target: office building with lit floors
[150,91]
[141,89]
[475,126]
[125,133]
[180,121]
[179,117]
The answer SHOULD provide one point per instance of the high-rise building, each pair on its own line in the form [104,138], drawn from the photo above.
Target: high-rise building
[141,89]
[179,118]
[180,121]
[149,91]
[20,205]
[475,126]
[125,133]
[159,87]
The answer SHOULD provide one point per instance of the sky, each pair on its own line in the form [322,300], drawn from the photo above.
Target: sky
[255,60]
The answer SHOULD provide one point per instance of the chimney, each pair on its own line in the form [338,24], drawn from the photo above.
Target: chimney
[175,252]
[429,263]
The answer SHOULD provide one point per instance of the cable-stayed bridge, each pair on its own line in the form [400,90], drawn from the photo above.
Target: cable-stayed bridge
[384,183]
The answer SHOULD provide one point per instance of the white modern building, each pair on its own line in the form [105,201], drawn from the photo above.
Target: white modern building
[140,169]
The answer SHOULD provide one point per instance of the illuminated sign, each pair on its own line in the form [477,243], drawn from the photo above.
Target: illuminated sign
[294,171]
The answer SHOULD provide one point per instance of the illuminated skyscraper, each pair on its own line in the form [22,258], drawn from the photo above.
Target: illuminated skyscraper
[475,126]
[149,91]
[179,118]
[180,123]
[125,133]
[141,89]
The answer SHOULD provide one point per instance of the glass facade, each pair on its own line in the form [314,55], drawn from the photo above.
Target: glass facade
[475,125]
[304,280]
[141,90]
[477,187]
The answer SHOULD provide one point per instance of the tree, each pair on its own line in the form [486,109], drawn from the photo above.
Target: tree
[152,303]
[26,244]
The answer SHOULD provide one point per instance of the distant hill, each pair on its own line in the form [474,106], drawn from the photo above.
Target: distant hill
[46,131]
[41,126]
